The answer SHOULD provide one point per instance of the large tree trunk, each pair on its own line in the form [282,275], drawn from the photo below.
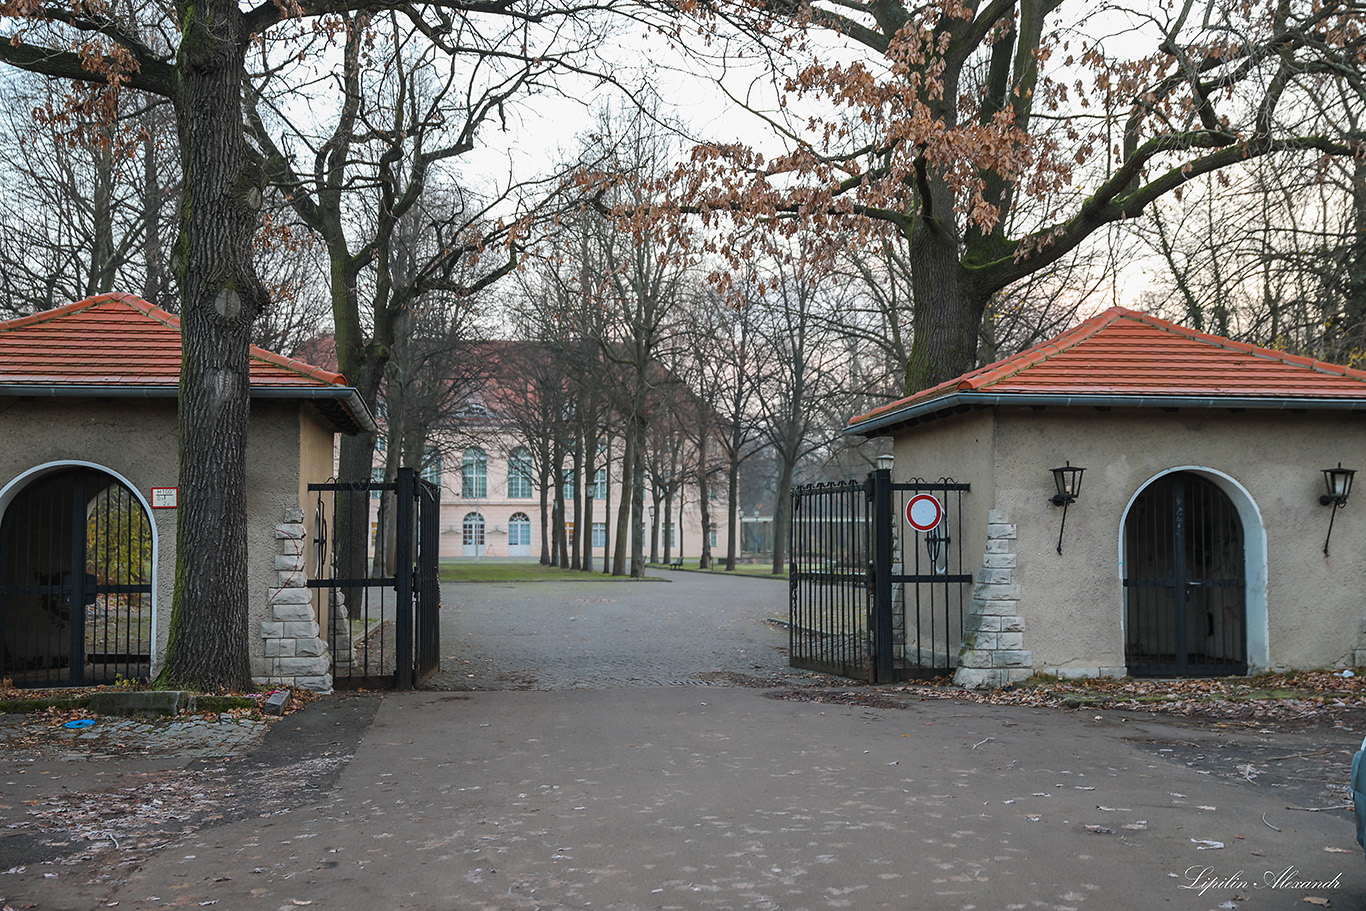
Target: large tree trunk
[732,511]
[607,509]
[151,216]
[220,298]
[656,516]
[576,467]
[625,534]
[102,264]
[547,480]
[638,508]
[355,458]
[947,314]
[559,556]
[586,535]
[782,516]
[704,505]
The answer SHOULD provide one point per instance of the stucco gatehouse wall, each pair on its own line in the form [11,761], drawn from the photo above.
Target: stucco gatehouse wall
[123,422]
[1304,609]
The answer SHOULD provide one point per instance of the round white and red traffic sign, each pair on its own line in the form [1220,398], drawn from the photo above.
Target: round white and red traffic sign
[923,512]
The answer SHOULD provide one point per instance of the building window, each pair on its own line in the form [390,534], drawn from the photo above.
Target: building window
[431,466]
[473,530]
[669,535]
[599,534]
[520,485]
[474,474]
[711,537]
[600,484]
[377,477]
[569,485]
[519,530]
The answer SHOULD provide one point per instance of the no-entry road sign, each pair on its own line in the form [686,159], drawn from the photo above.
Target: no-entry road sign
[923,512]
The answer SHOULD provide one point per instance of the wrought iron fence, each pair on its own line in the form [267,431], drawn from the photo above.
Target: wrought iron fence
[870,597]
[377,579]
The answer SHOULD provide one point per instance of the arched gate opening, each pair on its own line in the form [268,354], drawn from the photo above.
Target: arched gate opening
[76,572]
[1185,580]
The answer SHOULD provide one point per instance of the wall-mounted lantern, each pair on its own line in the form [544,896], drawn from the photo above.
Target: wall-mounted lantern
[1067,480]
[936,547]
[1338,482]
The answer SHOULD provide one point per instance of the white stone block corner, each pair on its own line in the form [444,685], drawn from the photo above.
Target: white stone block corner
[993,653]
[295,653]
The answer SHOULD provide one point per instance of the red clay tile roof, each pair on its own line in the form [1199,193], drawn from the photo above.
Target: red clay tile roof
[121,340]
[1126,353]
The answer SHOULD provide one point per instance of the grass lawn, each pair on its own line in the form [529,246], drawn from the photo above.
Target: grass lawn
[480,571]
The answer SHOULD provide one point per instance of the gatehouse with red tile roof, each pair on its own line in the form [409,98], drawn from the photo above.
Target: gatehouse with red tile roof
[1199,541]
[89,497]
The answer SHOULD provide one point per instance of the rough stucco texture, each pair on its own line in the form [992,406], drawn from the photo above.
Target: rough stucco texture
[136,439]
[1305,610]
[1310,612]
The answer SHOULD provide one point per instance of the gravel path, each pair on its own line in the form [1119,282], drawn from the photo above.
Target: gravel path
[689,629]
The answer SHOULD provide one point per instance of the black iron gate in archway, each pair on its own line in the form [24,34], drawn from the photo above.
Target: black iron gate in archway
[1184,581]
[75,582]
[381,621]
[869,597]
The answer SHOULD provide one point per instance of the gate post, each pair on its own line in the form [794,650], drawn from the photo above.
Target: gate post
[882,576]
[403,581]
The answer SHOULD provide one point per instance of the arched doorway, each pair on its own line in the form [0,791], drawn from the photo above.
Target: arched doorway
[472,535]
[1185,580]
[519,535]
[76,572]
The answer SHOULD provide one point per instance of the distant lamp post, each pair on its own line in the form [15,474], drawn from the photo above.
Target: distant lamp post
[1067,480]
[1338,482]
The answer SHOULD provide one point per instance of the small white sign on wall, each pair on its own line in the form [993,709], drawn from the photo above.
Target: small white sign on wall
[165,497]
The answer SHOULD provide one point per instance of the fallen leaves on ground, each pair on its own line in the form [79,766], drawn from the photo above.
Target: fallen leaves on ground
[1296,696]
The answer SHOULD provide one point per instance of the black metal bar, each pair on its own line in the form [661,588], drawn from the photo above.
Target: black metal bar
[75,588]
[403,570]
[882,570]
[355,486]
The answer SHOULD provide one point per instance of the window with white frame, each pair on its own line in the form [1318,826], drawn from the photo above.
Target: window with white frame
[474,474]
[599,534]
[600,484]
[519,530]
[520,486]
[472,530]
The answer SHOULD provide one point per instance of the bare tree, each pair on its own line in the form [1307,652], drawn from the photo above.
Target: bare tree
[800,374]
[193,55]
[960,111]
[84,208]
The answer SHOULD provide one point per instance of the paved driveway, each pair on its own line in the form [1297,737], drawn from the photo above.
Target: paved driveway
[602,787]
[687,629]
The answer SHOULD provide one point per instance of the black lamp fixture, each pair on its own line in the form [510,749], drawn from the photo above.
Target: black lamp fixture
[1067,480]
[936,545]
[1338,482]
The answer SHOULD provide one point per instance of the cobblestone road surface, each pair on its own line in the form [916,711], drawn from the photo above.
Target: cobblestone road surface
[691,628]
